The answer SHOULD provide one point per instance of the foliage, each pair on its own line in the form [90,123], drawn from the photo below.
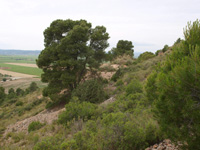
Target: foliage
[123,47]
[11,94]
[91,91]
[134,87]
[192,33]
[19,103]
[117,75]
[157,52]
[71,48]
[2,94]
[165,48]
[116,131]
[33,87]
[53,143]
[35,125]
[4,79]
[19,92]
[76,109]
[174,88]
[145,56]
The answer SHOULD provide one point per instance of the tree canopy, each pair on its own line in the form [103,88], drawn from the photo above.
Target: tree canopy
[123,47]
[71,49]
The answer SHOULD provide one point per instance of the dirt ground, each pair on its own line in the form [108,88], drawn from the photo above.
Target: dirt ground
[24,64]
[15,74]
[22,83]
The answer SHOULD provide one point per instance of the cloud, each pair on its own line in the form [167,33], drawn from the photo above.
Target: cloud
[152,24]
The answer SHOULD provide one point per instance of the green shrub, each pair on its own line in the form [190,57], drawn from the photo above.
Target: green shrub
[35,125]
[2,94]
[117,75]
[50,143]
[75,110]
[134,87]
[91,91]
[174,89]
[19,103]
[20,92]
[33,87]
[144,56]
[118,130]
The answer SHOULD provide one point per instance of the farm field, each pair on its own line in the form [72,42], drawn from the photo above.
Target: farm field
[17,59]
[20,71]
[24,64]
[20,64]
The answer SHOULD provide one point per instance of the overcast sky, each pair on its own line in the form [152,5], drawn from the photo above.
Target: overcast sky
[149,24]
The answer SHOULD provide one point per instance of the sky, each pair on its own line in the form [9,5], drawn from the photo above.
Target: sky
[149,24]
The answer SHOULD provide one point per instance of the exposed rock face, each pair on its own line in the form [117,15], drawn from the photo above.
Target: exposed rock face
[165,145]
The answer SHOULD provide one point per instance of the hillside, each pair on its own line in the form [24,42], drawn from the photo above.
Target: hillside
[14,132]
[123,103]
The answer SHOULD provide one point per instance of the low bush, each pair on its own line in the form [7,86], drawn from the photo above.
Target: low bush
[35,125]
[75,110]
[91,91]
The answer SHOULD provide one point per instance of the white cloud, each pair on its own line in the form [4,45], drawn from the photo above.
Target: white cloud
[152,24]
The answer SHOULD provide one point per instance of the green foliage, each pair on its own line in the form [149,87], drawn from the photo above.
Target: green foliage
[53,143]
[2,94]
[75,110]
[11,93]
[134,87]
[165,48]
[174,89]
[71,48]
[177,41]
[145,56]
[33,87]
[4,79]
[192,33]
[91,91]
[123,47]
[118,130]
[35,125]
[19,92]
[117,75]
[157,52]
[19,103]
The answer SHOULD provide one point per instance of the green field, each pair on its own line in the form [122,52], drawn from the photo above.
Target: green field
[20,69]
[18,59]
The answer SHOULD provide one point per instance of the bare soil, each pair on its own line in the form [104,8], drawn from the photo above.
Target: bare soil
[15,74]
[24,64]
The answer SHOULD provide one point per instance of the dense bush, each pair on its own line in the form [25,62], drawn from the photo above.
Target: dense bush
[118,130]
[76,109]
[33,87]
[2,94]
[90,91]
[134,87]
[35,125]
[117,75]
[144,56]
[174,89]
[50,143]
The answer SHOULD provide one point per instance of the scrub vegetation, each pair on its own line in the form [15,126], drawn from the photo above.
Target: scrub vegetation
[147,100]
